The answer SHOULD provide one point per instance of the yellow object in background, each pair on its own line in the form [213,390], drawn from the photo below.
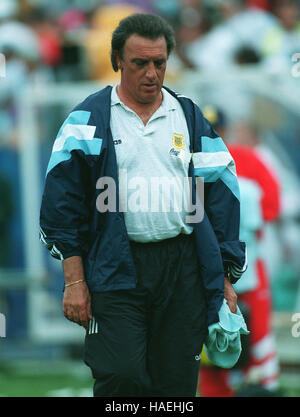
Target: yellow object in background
[97,43]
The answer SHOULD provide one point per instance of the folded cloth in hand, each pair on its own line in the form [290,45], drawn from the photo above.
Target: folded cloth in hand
[223,343]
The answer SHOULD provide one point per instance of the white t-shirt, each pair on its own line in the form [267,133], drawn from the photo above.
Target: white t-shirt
[153,163]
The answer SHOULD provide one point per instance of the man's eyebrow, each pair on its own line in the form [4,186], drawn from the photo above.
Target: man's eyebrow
[144,60]
[140,60]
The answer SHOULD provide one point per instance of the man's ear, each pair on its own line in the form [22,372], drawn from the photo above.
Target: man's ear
[119,61]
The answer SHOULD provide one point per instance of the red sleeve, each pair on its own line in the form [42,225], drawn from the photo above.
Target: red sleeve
[250,165]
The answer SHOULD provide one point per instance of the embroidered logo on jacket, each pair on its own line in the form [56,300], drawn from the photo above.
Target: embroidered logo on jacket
[178,141]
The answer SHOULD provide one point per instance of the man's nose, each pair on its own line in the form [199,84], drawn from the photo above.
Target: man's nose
[151,71]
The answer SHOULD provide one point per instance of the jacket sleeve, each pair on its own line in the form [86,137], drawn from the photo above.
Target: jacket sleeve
[215,165]
[64,214]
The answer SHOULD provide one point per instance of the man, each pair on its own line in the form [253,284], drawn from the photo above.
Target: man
[143,281]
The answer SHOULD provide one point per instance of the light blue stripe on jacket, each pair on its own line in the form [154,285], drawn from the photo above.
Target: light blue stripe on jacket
[213,144]
[215,162]
[74,134]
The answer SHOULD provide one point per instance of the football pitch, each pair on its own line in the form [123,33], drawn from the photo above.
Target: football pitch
[71,378]
[41,379]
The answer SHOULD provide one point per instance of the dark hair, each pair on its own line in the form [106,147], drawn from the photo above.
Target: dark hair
[246,54]
[149,26]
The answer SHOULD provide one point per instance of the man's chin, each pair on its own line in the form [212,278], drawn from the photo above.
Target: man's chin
[149,96]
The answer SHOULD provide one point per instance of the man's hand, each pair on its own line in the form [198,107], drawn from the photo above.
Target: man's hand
[230,295]
[77,300]
[77,304]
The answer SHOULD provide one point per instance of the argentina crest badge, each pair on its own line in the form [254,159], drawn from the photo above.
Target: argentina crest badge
[178,141]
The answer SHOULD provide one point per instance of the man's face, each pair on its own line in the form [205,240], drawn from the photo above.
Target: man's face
[143,67]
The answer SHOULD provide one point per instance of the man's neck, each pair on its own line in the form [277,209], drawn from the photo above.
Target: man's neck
[143,110]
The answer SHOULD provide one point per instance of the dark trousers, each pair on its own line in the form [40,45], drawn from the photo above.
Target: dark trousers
[147,341]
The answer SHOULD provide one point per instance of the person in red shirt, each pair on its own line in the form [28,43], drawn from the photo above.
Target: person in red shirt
[262,356]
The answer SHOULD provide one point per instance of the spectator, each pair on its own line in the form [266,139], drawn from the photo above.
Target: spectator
[73,24]
[20,45]
[97,41]
[260,202]
[48,37]
[193,23]
[283,40]
[240,26]
[284,242]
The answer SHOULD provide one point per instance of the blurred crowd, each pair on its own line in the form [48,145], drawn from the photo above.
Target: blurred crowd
[70,40]
[45,41]
[57,41]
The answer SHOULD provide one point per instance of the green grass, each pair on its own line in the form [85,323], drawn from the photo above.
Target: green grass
[73,379]
[33,379]
[63,385]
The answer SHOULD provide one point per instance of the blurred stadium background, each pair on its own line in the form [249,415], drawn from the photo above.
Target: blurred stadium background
[241,56]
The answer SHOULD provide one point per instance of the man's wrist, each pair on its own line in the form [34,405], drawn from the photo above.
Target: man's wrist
[69,284]
[227,280]
[73,270]
[227,274]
